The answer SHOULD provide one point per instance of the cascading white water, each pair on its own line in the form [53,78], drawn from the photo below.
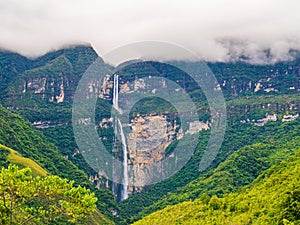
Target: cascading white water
[118,124]
[116,92]
[125,169]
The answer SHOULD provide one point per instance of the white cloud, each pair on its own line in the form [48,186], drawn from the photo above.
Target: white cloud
[215,29]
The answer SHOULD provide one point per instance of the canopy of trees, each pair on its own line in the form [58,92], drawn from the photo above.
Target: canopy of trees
[25,199]
[273,198]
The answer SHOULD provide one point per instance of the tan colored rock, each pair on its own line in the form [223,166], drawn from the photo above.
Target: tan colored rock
[124,88]
[61,96]
[106,87]
[147,142]
[197,126]
[258,87]
[139,84]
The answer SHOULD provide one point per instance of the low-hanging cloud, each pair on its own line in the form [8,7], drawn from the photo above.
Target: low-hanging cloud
[259,31]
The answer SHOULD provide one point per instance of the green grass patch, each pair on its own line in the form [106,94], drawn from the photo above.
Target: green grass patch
[15,158]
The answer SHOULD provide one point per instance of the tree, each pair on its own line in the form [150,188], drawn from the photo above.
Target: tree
[291,207]
[25,199]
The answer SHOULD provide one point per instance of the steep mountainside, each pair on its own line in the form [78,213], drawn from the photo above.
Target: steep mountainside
[239,78]
[51,79]
[9,155]
[273,198]
[262,147]
[17,133]
[11,65]
[43,91]
[260,100]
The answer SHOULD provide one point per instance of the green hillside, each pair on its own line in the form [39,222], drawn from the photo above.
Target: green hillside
[12,156]
[239,169]
[17,133]
[97,218]
[273,198]
[259,146]
[11,65]
[33,93]
[41,90]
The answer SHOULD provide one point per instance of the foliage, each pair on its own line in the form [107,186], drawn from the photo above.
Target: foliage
[272,199]
[16,133]
[237,80]
[15,158]
[4,157]
[25,199]
[11,65]
[246,151]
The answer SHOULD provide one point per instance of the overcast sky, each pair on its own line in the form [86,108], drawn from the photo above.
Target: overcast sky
[214,29]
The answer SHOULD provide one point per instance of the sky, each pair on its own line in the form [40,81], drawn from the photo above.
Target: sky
[217,30]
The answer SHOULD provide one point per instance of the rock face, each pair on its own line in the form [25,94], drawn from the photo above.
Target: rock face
[287,118]
[44,86]
[149,135]
[106,87]
[196,126]
[33,83]
[263,121]
[52,77]
[147,142]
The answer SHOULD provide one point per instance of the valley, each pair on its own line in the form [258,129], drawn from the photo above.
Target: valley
[240,186]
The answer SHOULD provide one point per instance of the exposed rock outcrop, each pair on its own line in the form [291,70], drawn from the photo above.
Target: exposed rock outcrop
[147,143]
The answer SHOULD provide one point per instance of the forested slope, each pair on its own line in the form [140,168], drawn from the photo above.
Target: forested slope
[246,152]
[273,198]
[16,133]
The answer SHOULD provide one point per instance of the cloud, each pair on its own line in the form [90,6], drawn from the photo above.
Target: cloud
[258,30]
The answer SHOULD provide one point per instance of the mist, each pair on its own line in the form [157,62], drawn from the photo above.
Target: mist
[259,31]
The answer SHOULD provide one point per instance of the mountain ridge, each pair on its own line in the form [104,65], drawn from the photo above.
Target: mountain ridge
[232,56]
[43,94]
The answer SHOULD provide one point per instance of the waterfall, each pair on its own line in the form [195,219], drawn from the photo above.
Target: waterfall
[116,92]
[114,187]
[124,193]
[125,169]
